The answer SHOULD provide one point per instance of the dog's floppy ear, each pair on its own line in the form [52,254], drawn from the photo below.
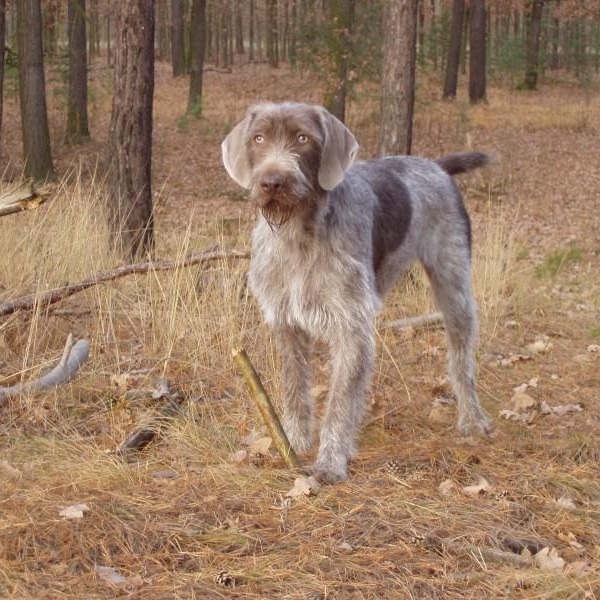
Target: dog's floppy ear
[235,155]
[339,151]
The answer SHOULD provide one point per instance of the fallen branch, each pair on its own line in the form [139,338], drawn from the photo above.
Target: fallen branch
[261,398]
[32,301]
[74,355]
[23,197]
[433,320]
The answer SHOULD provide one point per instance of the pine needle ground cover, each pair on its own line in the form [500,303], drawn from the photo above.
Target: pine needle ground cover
[205,509]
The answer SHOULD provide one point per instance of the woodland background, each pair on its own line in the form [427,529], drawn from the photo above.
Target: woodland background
[117,111]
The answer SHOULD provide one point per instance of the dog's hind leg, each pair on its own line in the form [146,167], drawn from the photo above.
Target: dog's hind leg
[451,283]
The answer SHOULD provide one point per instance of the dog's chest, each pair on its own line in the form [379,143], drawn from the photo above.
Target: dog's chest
[299,285]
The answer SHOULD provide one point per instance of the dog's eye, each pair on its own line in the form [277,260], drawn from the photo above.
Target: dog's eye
[259,139]
[302,138]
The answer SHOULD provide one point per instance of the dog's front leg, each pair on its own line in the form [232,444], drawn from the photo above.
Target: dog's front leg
[352,352]
[294,350]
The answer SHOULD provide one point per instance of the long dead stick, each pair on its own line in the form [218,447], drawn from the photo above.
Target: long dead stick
[23,197]
[261,398]
[32,300]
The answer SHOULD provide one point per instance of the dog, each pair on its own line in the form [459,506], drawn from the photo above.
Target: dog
[331,239]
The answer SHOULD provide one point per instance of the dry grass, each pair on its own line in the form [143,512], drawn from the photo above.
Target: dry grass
[170,519]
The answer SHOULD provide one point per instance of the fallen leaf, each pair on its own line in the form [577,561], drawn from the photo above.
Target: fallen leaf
[75,511]
[121,380]
[540,347]
[239,456]
[304,486]
[481,488]
[522,401]
[446,487]
[521,388]
[570,539]
[565,502]
[261,446]
[432,351]
[521,417]
[251,438]
[547,559]
[579,568]
[560,409]
[511,360]
[441,415]
[110,575]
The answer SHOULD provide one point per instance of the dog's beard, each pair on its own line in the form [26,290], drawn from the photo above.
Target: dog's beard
[277,214]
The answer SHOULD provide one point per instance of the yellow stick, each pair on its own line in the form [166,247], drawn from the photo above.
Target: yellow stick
[261,398]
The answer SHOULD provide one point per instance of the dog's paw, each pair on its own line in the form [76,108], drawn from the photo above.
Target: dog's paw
[327,474]
[478,424]
[330,467]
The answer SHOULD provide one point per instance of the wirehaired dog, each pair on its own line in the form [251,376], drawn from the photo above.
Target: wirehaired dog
[331,240]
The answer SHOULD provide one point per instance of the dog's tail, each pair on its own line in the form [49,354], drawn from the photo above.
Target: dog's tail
[461,162]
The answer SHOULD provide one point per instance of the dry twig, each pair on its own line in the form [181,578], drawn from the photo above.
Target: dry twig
[265,406]
[74,355]
[32,300]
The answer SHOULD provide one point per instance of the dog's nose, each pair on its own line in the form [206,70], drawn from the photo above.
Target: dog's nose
[272,183]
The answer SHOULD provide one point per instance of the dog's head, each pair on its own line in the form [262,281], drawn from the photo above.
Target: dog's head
[287,155]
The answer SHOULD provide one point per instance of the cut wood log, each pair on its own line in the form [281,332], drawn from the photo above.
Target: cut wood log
[24,197]
[32,301]
[74,355]
[265,406]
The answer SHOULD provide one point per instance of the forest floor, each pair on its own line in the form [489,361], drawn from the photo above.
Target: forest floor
[202,511]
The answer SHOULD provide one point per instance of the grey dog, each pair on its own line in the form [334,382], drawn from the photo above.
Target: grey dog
[331,240]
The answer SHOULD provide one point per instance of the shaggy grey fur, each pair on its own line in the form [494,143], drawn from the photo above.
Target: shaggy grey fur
[331,240]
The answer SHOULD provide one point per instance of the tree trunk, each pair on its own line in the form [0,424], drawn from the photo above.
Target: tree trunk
[398,76]
[341,22]
[251,32]
[239,27]
[2,51]
[271,34]
[197,47]
[532,52]
[293,32]
[177,40]
[162,29]
[32,91]
[453,60]
[94,25]
[477,55]
[77,116]
[130,135]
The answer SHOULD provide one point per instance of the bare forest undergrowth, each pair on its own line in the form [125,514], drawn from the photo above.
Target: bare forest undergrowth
[202,512]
